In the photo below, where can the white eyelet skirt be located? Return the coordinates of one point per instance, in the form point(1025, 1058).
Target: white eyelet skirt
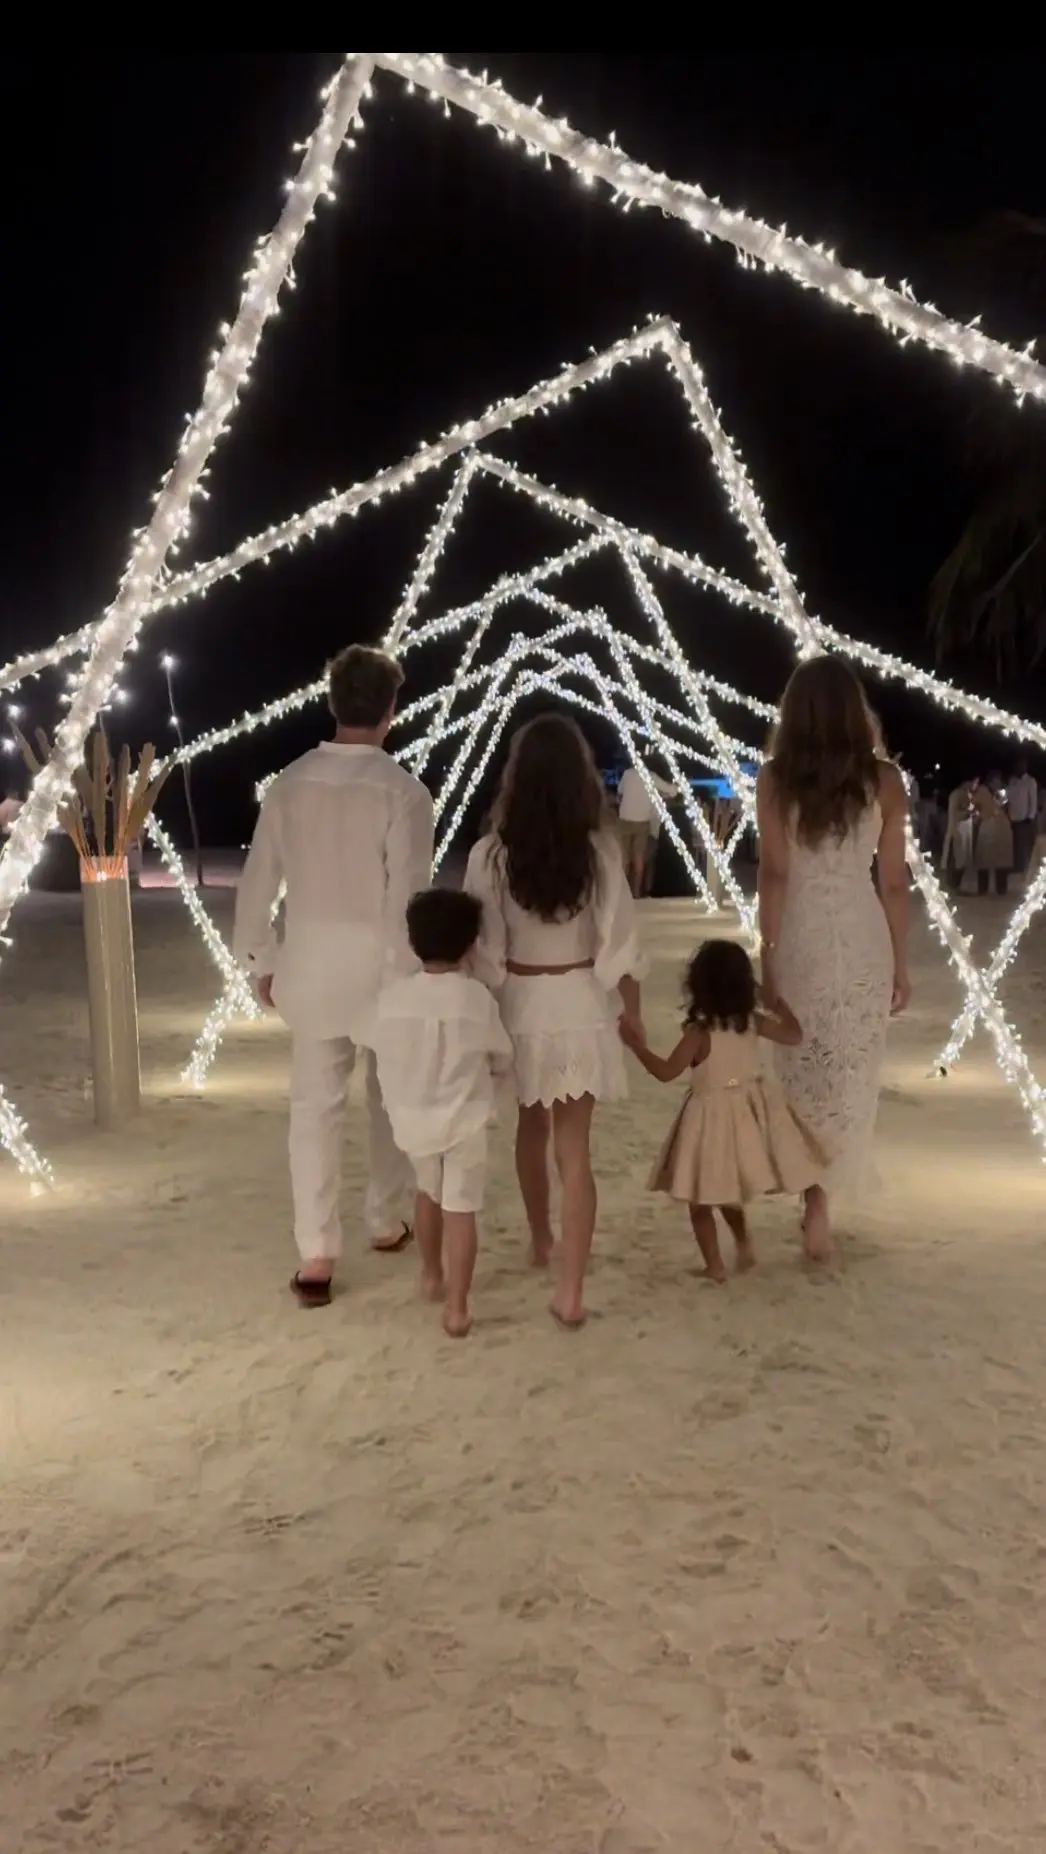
point(563, 1027)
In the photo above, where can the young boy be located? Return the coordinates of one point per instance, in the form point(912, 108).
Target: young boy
point(440, 1044)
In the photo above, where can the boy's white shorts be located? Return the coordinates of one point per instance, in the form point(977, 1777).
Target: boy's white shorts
point(456, 1179)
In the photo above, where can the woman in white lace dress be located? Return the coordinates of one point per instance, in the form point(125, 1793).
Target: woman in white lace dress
point(558, 947)
point(833, 948)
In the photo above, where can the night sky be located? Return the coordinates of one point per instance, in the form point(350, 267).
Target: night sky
point(453, 270)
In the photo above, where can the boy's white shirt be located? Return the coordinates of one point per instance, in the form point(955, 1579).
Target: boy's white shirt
point(348, 833)
point(440, 1047)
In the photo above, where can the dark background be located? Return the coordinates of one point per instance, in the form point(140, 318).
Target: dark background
point(452, 271)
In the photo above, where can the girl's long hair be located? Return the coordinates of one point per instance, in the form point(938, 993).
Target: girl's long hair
point(550, 802)
point(824, 751)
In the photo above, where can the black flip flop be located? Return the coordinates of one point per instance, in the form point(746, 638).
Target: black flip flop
point(311, 1293)
point(397, 1247)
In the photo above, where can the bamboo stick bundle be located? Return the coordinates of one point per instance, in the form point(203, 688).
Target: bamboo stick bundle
point(106, 811)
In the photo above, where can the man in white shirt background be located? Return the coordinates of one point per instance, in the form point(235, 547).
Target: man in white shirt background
point(1022, 805)
point(345, 834)
point(636, 814)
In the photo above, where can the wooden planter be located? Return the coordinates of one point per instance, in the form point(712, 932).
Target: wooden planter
point(111, 996)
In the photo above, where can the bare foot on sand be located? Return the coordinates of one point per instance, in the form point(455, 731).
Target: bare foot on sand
point(457, 1322)
point(433, 1287)
point(715, 1272)
point(568, 1312)
point(817, 1240)
point(736, 1223)
point(539, 1255)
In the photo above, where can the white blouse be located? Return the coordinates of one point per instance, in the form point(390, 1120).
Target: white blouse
point(604, 931)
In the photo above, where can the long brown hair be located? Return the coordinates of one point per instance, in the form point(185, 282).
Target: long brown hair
point(823, 752)
point(549, 803)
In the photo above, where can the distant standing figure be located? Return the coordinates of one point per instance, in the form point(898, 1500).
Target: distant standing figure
point(833, 945)
point(993, 843)
point(636, 812)
point(957, 849)
point(1022, 805)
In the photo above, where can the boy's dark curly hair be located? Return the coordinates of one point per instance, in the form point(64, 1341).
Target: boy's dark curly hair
point(719, 990)
point(443, 925)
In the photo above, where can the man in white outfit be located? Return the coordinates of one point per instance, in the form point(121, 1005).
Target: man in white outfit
point(345, 834)
point(1022, 805)
point(636, 812)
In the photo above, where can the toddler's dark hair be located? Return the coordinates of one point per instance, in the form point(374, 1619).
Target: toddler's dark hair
point(443, 925)
point(719, 989)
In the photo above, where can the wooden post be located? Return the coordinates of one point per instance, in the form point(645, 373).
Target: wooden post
point(111, 994)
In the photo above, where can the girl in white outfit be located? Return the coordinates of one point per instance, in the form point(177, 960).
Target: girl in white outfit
point(558, 945)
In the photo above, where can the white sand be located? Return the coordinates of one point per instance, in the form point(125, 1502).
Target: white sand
point(753, 1570)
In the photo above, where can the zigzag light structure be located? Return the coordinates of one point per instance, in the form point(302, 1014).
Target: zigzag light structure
point(511, 679)
point(144, 591)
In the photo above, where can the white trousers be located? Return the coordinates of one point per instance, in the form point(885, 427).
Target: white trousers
point(320, 1071)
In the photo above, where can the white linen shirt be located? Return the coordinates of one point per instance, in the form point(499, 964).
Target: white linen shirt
point(346, 833)
point(1022, 799)
point(439, 1044)
point(604, 930)
point(634, 803)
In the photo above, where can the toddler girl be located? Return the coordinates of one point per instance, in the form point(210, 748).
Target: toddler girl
point(735, 1136)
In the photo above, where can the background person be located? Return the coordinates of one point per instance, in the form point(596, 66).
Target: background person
point(636, 812)
point(1022, 807)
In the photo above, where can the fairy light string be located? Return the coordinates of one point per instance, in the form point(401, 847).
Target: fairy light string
point(631, 183)
point(435, 541)
point(993, 973)
point(1009, 1054)
point(226, 379)
point(14, 1137)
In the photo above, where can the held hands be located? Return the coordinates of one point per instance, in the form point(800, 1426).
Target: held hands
point(631, 1032)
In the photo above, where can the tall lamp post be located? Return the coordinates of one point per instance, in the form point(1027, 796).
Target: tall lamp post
point(167, 664)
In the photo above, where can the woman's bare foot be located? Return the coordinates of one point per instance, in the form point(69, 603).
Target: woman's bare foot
point(567, 1311)
point(539, 1254)
point(745, 1255)
point(715, 1271)
point(457, 1322)
point(817, 1239)
point(433, 1287)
